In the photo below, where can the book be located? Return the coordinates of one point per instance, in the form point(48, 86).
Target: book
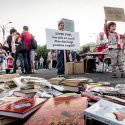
point(43, 94)
point(24, 93)
point(105, 112)
point(54, 92)
point(21, 108)
point(32, 80)
point(66, 88)
point(56, 80)
point(10, 83)
point(19, 82)
point(7, 90)
point(115, 99)
point(60, 111)
point(6, 100)
point(8, 76)
point(7, 120)
point(70, 95)
point(91, 96)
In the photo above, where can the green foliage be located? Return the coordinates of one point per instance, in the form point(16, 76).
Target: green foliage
point(85, 49)
point(42, 51)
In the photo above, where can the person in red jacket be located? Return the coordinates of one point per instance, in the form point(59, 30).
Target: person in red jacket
point(115, 47)
point(25, 36)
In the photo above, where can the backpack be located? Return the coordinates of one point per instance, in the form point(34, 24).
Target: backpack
point(33, 44)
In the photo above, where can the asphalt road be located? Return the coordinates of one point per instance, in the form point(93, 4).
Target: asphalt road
point(47, 74)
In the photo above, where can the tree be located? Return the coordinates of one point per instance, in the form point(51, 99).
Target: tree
point(42, 51)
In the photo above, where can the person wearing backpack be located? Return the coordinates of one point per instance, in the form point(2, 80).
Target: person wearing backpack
point(26, 37)
point(10, 42)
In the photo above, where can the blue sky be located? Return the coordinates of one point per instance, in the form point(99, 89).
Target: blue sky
point(88, 16)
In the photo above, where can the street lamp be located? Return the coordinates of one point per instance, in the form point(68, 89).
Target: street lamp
point(3, 27)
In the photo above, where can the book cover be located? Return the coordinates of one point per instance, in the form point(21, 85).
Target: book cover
point(8, 76)
point(56, 80)
point(91, 96)
point(54, 92)
point(7, 100)
point(60, 111)
point(7, 120)
point(66, 88)
point(23, 94)
point(21, 108)
point(70, 95)
point(75, 81)
point(106, 112)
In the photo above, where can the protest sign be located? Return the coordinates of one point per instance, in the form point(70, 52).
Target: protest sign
point(114, 14)
point(62, 40)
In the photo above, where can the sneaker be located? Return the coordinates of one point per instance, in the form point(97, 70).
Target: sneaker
point(114, 75)
point(122, 75)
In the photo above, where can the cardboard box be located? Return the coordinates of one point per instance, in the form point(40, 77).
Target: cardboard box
point(69, 68)
point(78, 67)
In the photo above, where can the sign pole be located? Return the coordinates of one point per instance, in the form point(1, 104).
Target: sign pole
point(65, 66)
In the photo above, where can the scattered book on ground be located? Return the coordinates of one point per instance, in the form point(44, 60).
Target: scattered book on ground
point(8, 76)
point(70, 95)
point(60, 111)
point(6, 120)
point(105, 112)
point(91, 96)
point(22, 84)
point(75, 81)
point(43, 95)
point(24, 93)
point(21, 108)
point(66, 88)
point(56, 80)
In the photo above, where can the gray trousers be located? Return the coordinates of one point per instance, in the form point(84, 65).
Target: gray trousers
point(117, 60)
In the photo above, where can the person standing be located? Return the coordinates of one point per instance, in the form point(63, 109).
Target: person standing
point(17, 55)
point(100, 44)
point(60, 54)
point(11, 42)
point(54, 59)
point(26, 37)
point(49, 59)
point(115, 47)
point(41, 62)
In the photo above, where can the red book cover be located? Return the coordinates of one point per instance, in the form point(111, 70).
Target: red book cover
point(60, 111)
point(21, 108)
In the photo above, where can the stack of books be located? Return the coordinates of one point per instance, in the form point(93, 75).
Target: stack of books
point(57, 80)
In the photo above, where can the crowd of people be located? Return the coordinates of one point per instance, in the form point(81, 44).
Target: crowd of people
point(12, 46)
point(28, 59)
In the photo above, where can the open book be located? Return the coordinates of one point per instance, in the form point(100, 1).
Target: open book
point(107, 112)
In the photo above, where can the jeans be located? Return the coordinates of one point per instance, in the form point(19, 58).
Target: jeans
point(60, 62)
point(26, 58)
point(19, 56)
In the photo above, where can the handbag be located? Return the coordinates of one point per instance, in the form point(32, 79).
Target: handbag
point(22, 46)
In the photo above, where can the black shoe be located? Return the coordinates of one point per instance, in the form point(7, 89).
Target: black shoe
point(26, 73)
point(114, 75)
point(13, 72)
point(23, 72)
point(122, 75)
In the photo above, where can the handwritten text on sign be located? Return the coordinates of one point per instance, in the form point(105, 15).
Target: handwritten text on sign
point(114, 14)
point(63, 40)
